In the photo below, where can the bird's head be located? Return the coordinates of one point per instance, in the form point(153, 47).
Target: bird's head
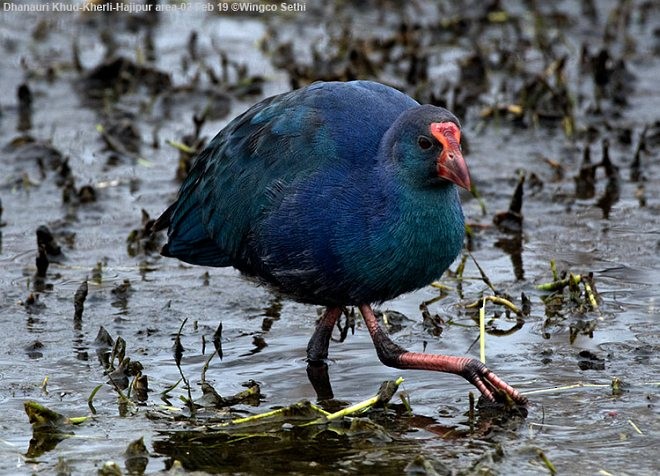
point(425, 142)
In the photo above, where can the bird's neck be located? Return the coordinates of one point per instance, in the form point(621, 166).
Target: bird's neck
point(431, 213)
point(429, 220)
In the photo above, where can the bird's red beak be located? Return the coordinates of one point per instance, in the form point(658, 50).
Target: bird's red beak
point(450, 164)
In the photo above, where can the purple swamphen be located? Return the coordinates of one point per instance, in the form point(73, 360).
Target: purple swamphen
point(337, 194)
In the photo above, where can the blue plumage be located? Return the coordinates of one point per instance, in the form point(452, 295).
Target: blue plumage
point(303, 192)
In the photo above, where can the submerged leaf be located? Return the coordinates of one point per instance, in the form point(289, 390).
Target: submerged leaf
point(136, 448)
point(42, 417)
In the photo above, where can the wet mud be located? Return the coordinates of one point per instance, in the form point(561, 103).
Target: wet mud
point(118, 361)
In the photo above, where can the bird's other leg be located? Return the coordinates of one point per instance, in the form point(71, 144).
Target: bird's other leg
point(317, 348)
point(317, 373)
point(472, 370)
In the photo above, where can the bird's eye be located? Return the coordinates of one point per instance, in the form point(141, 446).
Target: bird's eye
point(424, 143)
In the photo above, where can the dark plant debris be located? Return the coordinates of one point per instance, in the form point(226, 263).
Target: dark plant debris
point(511, 221)
point(48, 428)
point(79, 300)
point(141, 241)
point(136, 457)
point(117, 76)
point(574, 297)
point(217, 340)
point(250, 396)
point(46, 240)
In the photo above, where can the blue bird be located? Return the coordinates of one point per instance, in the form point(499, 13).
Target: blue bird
point(337, 194)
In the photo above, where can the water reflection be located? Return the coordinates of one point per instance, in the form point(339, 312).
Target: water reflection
point(385, 441)
point(513, 247)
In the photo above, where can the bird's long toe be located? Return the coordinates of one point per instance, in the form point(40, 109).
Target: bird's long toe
point(489, 384)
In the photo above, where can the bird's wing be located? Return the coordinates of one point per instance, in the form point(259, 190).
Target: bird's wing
point(261, 156)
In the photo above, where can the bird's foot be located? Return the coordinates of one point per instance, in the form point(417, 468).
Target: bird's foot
point(490, 385)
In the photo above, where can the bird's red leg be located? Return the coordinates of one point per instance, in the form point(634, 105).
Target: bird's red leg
point(472, 370)
point(317, 348)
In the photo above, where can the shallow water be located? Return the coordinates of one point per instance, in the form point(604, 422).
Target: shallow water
point(581, 430)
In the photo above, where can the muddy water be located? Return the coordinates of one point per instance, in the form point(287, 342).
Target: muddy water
point(564, 358)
